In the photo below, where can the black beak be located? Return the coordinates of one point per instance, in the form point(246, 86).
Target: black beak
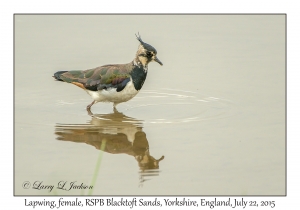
point(158, 61)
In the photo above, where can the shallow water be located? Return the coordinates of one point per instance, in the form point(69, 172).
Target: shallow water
point(211, 121)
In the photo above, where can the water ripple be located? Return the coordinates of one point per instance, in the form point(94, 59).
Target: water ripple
point(179, 106)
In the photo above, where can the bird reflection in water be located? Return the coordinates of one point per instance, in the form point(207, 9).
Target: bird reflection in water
point(119, 134)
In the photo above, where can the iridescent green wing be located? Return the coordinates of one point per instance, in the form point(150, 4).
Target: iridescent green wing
point(103, 77)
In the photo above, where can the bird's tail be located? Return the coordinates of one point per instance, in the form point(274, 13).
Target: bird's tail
point(57, 75)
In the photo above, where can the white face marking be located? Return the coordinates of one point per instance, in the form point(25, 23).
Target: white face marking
point(143, 60)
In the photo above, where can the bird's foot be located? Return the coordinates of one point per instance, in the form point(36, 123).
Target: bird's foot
point(90, 112)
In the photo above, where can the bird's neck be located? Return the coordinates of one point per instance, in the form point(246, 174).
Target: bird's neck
point(141, 62)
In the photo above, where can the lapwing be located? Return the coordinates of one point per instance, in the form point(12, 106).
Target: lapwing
point(114, 83)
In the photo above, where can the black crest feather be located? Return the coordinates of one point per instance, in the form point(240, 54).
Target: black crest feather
point(145, 45)
point(138, 37)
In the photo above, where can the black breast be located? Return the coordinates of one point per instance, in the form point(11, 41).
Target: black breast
point(138, 75)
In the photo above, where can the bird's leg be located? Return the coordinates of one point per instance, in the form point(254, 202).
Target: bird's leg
point(115, 109)
point(88, 108)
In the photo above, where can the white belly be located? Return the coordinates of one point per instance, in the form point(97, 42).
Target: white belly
point(111, 95)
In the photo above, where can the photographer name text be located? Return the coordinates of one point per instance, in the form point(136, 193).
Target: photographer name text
point(61, 185)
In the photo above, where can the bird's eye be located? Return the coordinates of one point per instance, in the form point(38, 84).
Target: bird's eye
point(149, 54)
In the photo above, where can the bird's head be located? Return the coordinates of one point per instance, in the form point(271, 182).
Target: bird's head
point(146, 53)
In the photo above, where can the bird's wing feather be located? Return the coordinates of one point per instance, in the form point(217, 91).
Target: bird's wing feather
point(103, 77)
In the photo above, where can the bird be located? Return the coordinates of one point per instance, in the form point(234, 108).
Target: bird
point(115, 83)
